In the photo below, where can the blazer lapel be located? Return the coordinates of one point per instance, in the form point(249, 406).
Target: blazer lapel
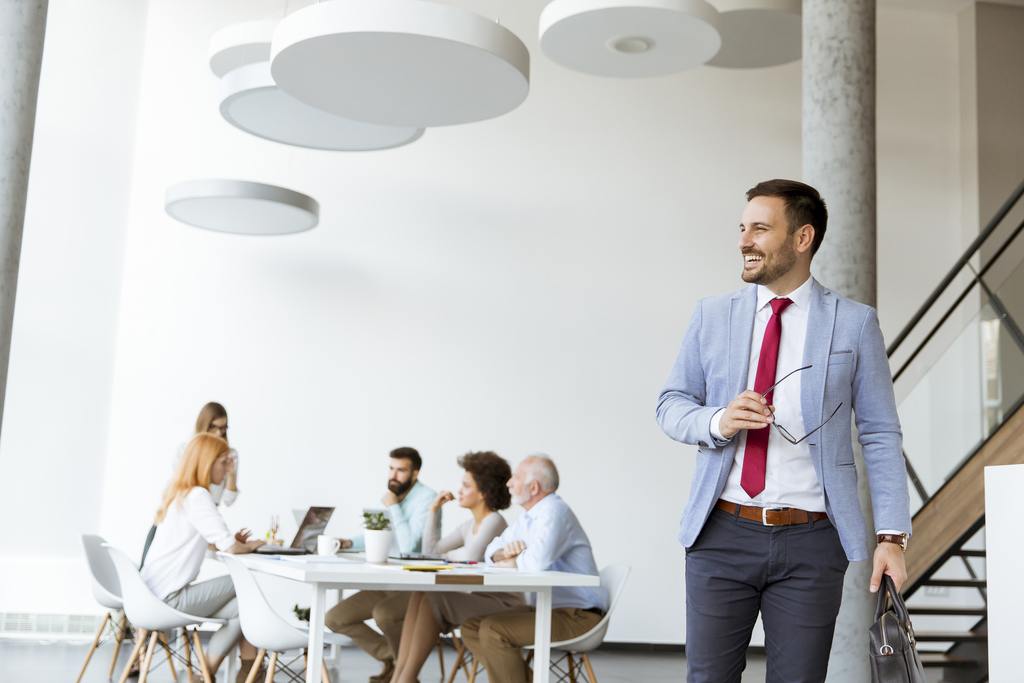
point(821, 320)
point(741, 330)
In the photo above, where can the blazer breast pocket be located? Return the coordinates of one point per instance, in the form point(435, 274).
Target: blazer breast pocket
point(840, 357)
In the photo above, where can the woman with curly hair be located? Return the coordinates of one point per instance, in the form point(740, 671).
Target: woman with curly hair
point(484, 492)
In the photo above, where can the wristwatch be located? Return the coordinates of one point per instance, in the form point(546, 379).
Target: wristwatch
point(898, 539)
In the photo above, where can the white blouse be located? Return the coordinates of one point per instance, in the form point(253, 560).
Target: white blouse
point(179, 546)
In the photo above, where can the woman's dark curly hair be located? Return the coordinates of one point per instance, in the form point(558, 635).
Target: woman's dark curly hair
point(491, 473)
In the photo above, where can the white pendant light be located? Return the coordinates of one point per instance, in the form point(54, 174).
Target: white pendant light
point(758, 33)
point(400, 62)
point(241, 207)
point(629, 38)
point(237, 45)
point(251, 101)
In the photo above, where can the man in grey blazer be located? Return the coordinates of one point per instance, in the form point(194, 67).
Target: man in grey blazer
point(765, 385)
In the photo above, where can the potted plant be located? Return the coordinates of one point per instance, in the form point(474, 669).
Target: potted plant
point(378, 536)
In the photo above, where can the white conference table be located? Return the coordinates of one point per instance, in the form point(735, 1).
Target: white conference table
point(349, 572)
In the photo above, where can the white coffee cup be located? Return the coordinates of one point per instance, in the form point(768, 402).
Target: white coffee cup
point(327, 545)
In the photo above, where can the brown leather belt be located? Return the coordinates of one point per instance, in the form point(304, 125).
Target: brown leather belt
point(770, 516)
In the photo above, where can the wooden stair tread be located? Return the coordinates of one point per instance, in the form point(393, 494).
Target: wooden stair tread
point(949, 611)
point(957, 583)
point(949, 636)
point(939, 659)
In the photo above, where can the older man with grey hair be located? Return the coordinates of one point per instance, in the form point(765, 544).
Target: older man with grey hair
point(546, 537)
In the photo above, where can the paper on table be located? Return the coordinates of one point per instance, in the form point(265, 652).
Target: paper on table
point(308, 559)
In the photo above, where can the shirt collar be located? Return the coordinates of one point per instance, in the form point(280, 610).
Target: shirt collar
point(800, 296)
point(540, 506)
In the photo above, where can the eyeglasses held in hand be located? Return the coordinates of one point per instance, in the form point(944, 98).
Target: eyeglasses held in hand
point(783, 432)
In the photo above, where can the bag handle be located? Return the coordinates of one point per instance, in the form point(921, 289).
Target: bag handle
point(888, 591)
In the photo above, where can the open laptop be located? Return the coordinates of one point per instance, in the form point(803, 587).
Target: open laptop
point(304, 543)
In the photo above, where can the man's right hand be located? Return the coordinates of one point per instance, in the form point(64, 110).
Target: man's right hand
point(509, 552)
point(749, 410)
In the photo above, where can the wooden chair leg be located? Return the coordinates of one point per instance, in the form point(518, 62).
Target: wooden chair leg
point(95, 644)
point(170, 657)
point(118, 641)
point(203, 664)
point(148, 661)
point(256, 664)
point(590, 670)
point(440, 656)
point(324, 673)
point(572, 667)
point(188, 657)
point(271, 668)
point(140, 638)
point(474, 670)
point(460, 660)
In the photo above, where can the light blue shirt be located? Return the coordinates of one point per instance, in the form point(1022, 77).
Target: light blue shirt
point(555, 541)
point(408, 519)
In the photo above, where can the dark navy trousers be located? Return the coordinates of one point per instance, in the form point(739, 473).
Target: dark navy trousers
point(792, 575)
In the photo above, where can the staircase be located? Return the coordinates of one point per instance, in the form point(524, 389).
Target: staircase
point(958, 370)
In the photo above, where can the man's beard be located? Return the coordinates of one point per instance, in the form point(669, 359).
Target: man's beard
point(781, 263)
point(519, 500)
point(398, 488)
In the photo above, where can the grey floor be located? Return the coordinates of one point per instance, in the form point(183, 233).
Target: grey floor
point(25, 661)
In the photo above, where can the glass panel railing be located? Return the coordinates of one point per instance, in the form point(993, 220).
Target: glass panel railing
point(961, 398)
point(959, 366)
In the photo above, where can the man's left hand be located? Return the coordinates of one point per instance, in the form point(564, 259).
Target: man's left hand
point(389, 499)
point(889, 559)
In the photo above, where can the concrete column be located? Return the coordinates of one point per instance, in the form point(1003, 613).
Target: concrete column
point(839, 160)
point(22, 28)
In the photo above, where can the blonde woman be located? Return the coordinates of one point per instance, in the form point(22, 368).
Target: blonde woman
point(483, 492)
point(186, 523)
point(212, 419)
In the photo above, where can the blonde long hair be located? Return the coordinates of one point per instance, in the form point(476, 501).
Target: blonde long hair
point(193, 470)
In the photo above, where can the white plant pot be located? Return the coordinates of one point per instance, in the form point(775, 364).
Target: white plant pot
point(378, 543)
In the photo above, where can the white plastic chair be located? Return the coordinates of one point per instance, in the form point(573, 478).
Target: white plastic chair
point(107, 591)
point(613, 580)
point(152, 615)
point(267, 630)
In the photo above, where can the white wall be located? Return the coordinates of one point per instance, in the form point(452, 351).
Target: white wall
point(1005, 558)
point(53, 446)
point(520, 284)
point(919, 194)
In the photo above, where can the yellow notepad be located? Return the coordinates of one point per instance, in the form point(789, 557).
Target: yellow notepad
point(427, 567)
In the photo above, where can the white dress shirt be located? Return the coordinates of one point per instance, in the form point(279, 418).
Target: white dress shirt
point(179, 546)
point(790, 478)
point(556, 542)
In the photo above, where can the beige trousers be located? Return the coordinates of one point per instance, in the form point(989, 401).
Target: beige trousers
point(497, 640)
point(387, 608)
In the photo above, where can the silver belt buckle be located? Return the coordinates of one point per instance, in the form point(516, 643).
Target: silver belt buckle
point(764, 515)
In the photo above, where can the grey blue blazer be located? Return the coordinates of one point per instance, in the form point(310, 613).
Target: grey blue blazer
point(844, 344)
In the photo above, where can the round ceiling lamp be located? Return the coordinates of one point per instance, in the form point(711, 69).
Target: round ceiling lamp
point(409, 63)
point(629, 38)
point(241, 207)
point(744, 25)
point(252, 102)
point(237, 45)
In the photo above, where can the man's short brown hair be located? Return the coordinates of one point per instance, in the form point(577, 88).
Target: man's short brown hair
point(804, 205)
point(410, 454)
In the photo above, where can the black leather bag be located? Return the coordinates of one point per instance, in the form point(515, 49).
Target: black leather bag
point(894, 657)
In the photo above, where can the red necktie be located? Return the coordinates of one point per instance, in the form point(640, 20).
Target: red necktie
point(755, 456)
